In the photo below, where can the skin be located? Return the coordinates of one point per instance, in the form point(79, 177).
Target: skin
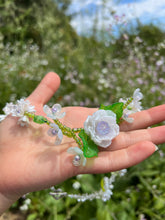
point(29, 161)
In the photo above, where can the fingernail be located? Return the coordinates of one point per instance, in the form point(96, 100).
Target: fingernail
point(156, 148)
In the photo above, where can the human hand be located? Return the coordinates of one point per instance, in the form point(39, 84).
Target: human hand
point(29, 161)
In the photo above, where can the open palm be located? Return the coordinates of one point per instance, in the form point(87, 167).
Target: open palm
point(29, 161)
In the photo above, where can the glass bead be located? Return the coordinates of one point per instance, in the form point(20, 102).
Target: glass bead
point(102, 128)
point(77, 160)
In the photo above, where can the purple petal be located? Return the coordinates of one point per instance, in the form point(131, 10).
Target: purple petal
point(59, 138)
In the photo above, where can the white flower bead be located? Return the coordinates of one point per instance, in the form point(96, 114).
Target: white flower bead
point(54, 112)
point(102, 127)
point(79, 158)
point(18, 110)
point(134, 106)
point(54, 130)
point(2, 117)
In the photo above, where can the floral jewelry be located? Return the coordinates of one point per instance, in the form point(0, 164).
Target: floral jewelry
point(99, 130)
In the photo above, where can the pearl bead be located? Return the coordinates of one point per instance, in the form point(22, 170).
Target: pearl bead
point(77, 160)
point(54, 132)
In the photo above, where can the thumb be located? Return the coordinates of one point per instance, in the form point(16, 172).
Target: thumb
point(46, 89)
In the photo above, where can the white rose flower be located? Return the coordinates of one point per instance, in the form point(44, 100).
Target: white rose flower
point(102, 127)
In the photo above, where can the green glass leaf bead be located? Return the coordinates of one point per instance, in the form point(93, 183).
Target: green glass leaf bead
point(39, 119)
point(90, 149)
point(117, 108)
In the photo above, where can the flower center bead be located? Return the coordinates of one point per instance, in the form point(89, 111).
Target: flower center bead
point(54, 132)
point(102, 128)
point(77, 160)
point(54, 110)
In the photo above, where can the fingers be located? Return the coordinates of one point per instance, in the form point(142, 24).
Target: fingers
point(145, 118)
point(125, 139)
point(74, 113)
point(117, 160)
point(46, 89)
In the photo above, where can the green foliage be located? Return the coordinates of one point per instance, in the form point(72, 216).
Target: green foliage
point(32, 20)
point(151, 34)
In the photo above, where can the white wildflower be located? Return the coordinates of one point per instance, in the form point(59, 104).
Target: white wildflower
point(76, 185)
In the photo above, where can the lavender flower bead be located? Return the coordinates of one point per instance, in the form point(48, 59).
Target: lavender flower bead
point(54, 130)
point(102, 127)
point(54, 112)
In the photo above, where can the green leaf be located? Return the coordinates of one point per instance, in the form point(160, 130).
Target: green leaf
point(117, 108)
point(39, 119)
point(90, 149)
point(32, 216)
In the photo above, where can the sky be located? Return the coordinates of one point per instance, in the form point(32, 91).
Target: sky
point(124, 13)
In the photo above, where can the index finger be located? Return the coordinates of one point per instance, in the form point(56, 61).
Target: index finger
point(46, 89)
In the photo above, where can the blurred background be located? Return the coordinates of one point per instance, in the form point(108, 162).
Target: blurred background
point(103, 50)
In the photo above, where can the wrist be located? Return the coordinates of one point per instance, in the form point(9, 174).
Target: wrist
point(6, 202)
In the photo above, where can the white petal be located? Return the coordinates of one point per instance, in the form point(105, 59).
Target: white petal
point(84, 161)
point(47, 110)
point(2, 117)
point(8, 109)
point(60, 134)
point(105, 143)
point(137, 94)
point(71, 150)
point(31, 109)
point(60, 115)
point(74, 150)
point(78, 150)
point(127, 118)
point(98, 114)
point(23, 121)
point(56, 107)
point(53, 125)
point(59, 138)
point(57, 141)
